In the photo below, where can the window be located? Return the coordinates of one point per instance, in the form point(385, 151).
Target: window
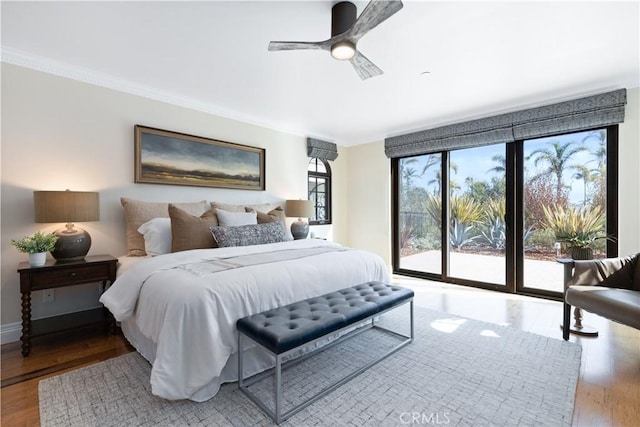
point(498, 216)
point(319, 174)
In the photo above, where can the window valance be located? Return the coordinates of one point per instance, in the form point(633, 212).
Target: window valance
point(579, 114)
point(321, 149)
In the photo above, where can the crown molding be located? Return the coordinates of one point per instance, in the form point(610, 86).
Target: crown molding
point(85, 75)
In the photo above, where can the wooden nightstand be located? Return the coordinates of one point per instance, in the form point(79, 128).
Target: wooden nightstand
point(96, 268)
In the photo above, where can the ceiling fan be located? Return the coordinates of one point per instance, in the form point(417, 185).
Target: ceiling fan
point(346, 30)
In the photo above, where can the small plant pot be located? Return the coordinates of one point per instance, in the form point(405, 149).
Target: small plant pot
point(581, 253)
point(37, 259)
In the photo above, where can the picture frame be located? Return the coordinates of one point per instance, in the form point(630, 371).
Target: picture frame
point(165, 157)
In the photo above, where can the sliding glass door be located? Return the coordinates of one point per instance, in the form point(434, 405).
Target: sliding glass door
point(564, 197)
point(419, 230)
point(477, 228)
point(499, 216)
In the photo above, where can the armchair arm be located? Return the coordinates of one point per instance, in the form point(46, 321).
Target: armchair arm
point(596, 272)
point(568, 264)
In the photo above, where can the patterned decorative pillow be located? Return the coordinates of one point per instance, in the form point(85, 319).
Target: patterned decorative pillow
point(275, 215)
point(246, 235)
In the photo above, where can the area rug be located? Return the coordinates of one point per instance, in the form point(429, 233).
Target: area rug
point(457, 371)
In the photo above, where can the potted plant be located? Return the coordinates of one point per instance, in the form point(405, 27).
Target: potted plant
point(578, 228)
point(36, 246)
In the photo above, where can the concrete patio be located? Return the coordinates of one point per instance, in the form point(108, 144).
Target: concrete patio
point(547, 275)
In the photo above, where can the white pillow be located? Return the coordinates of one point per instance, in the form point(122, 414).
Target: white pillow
point(236, 218)
point(157, 236)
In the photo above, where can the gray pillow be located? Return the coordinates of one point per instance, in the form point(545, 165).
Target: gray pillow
point(245, 235)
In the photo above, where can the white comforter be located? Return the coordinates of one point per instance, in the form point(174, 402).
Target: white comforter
point(188, 310)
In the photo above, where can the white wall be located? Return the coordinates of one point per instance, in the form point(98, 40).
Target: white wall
point(59, 133)
point(629, 176)
point(370, 176)
point(369, 204)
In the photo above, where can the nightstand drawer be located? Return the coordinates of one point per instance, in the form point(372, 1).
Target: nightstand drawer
point(76, 274)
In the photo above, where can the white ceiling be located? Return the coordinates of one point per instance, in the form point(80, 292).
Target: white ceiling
point(482, 57)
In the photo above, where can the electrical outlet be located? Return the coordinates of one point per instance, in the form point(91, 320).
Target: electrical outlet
point(48, 295)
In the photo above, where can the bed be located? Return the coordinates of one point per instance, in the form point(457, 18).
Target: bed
point(179, 309)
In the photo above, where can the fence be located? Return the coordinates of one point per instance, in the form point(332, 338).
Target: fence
point(417, 221)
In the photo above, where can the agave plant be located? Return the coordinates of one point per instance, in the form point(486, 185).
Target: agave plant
point(494, 228)
point(433, 207)
point(465, 214)
point(460, 234)
point(496, 233)
point(494, 208)
point(577, 227)
point(465, 209)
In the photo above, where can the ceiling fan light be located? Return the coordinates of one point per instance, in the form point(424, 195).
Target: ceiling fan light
point(343, 50)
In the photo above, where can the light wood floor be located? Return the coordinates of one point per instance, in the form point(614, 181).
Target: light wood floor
point(608, 391)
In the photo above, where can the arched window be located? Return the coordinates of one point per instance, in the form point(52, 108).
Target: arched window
point(319, 174)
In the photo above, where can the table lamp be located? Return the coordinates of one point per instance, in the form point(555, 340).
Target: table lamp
point(69, 207)
point(300, 209)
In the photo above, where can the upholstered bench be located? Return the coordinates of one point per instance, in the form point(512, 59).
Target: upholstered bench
point(286, 329)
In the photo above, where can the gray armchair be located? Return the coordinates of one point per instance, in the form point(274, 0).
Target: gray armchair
point(608, 287)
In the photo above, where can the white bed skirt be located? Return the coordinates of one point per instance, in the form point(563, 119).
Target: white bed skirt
point(255, 360)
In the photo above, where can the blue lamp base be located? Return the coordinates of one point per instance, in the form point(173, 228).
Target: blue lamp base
point(299, 230)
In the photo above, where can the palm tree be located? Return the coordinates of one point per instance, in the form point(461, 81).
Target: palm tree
point(437, 180)
point(407, 173)
point(599, 173)
point(502, 164)
point(600, 153)
point(557, 155)
point(585, 174)
point(431, 161)
point(601, 136)
point(407, 176)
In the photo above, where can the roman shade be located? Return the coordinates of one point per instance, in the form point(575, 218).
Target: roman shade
point(569, 116)
point(321, 149)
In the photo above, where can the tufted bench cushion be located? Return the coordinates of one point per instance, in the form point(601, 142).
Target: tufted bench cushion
point(293, 325)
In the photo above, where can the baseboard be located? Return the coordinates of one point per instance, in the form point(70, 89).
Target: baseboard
point(10, 332)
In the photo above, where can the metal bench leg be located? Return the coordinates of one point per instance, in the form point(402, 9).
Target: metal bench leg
point(411, 315)
point(566, 321)
point(240, 371)
point(278, 388)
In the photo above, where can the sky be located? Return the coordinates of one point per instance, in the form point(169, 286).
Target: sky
point(476, 163)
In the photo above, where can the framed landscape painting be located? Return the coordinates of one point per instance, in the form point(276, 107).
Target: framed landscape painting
point(164, 157)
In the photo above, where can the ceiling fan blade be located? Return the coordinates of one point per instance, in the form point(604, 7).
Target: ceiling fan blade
point(365, 68)
point(298, 45)
point(376, 12)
